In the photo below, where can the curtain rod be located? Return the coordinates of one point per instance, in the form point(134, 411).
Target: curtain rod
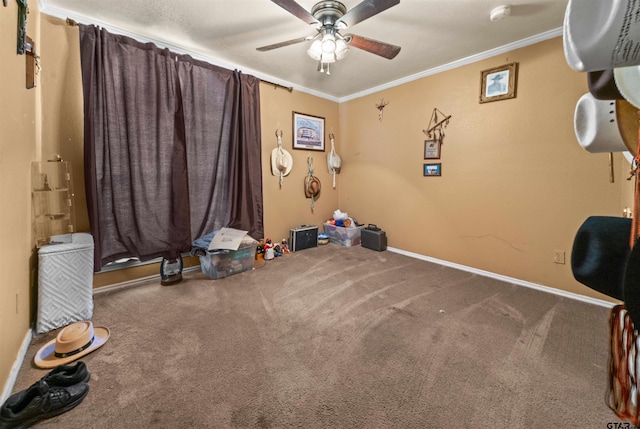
point(72, 23)
point(277, 85)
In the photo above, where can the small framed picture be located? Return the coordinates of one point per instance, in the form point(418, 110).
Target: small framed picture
point(499, 83)
point(308, 132)
point(432, 149)
point(432, 169)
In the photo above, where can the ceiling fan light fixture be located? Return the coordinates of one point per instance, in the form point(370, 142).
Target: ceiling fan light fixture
point(315, 50)
point(328, 43)
point(341, 49)
point(329, 17)
point(328, 58)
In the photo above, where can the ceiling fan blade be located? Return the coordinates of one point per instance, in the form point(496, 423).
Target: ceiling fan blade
point(282, 44)
point(383, 49)
point(364, 10)
point(296, 10)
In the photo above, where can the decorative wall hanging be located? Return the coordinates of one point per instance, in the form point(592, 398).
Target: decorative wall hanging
point(308, 132)
point(499, 83)
point(435, 130)
point(432, 169)
point(380, 106)
point(333, 160)
point(311, 184)
point(281, 160)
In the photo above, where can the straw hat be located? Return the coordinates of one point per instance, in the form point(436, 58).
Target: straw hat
point(596, 34)
point(311, 187)
point(605, 125)
point(281, 162)
point(71, 343)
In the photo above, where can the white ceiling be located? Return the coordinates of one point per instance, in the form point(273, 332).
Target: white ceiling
point(434, 35)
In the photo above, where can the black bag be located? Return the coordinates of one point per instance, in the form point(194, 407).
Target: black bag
point(374, 238)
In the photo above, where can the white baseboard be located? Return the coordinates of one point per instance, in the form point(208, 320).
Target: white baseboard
point(512, 280)
point(507, 279)
point(15, 369)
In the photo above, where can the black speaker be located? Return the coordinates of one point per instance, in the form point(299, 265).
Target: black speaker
point(303, 237)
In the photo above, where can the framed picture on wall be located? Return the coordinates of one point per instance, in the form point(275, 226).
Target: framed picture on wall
point(432, 149)
point(499, 83)
point(432, 169)
point(308, 132)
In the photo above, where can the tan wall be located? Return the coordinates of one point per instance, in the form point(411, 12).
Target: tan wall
point(19, 139)
point(287, 207)
point(62, 105)
point(515, 183)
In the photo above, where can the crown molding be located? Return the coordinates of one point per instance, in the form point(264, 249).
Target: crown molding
point(459, 63)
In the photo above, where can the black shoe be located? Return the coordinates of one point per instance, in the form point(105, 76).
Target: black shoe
point(60, 376)
point(67, 375)
point(40, 402)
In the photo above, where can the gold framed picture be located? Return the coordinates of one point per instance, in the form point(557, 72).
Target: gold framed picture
point(308, 132)
point(499, 83)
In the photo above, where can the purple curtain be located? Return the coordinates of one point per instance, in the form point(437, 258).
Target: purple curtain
point(161, 146)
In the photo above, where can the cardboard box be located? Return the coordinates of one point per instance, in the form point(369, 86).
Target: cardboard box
point(343, 236)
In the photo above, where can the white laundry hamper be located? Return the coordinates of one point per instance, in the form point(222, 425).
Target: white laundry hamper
point(65, 281)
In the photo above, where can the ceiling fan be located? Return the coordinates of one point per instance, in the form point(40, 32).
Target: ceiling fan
point(329, 17)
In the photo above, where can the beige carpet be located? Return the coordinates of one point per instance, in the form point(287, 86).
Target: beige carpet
point(335, 337)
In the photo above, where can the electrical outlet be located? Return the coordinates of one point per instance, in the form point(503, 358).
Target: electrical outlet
point(558, 256)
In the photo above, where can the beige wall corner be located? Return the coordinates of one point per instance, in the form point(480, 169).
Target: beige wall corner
point(62, 105)
point(287, 207)
point(19, 140)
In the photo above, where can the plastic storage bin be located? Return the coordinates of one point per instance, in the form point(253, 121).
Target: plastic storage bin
point(343, 236)
point(217, 264)
point(65, 281)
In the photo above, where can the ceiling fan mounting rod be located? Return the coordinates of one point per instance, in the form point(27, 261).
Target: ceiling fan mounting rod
point(328, 12)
